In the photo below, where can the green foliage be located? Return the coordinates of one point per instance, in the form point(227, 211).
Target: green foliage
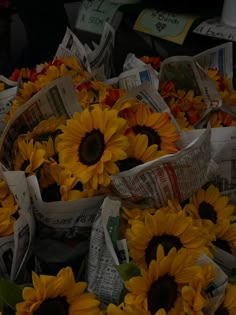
point(128, 271)
point(10, 294)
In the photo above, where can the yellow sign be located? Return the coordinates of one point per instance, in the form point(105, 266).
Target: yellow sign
point(166, 25)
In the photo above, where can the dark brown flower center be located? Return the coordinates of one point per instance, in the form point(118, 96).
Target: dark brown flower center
point(51, 193)
point(207, 211)
point(153, 137)
point(223, 244)
point(162, 294)
point(128, 163)
point(222, 310)
point(57, 306)
point(167, 241)
point(91, 147)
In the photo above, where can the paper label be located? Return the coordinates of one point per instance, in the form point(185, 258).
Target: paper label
point(169, 26)
point(94, 14)
point(215, 28)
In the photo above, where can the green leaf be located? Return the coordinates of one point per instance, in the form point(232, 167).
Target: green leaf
point(128, 271)
point(10, 293)
point(123, 293)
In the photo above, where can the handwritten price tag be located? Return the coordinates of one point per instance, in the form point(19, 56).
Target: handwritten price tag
point(95, 13)
point(169, 26)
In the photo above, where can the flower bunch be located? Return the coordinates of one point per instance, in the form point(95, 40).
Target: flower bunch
point(59, 294)
point(80, 153)
point(92, 92)
point(224, 86)
point(172, 283)
point(33, 80)
point(186, 107)
point(8, 209)
point(178, 235)
point(155, 62)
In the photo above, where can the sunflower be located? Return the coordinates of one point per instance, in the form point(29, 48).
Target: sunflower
point(125, 310)
point(194, 295)
point(228, 305)
point(132, 214)
point(28, 156)
point(6, 223)
point(169, 230)
point(158, 289)
point(139, 152)
point(156, 126)
point(58, 294)
point(27, 91)
point(209, 204)
point(47, 128)
point(91, 143)
point(225, 236)
point(7, 200)
point(221, 119)
point(55, 182)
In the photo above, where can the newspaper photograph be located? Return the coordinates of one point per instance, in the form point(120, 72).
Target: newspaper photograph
point(72, 46)
point(103, 53)
point(172, 176)
point(56, 99)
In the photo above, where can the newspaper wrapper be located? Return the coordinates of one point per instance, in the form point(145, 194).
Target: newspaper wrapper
point(6, 97)
point(63, 219)
point(56, 99)
point(216, 288)
point(102, 55)
point(224, 154)
point(220, 58)
point(16, 249)
point(186, 74)
point(131, 62)
point(72, 46)
point(102, 277)
point(63, 228)
point(134, 77)
point(172, 176)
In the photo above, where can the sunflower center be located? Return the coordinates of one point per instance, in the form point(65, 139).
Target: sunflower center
point(153, 137)
point(57, 306)
point(51, 193)
point(128, 163)
point(207, 211)
point(222, 310)
point(167, 241)
point(223, 244)
point(162, 294)
point(91, 147)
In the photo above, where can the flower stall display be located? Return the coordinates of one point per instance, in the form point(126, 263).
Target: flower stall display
point(118, 194)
